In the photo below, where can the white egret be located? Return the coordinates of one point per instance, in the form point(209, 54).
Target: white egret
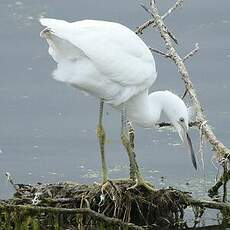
point(109, 61)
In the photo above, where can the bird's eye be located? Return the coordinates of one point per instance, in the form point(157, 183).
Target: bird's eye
point(181, 119)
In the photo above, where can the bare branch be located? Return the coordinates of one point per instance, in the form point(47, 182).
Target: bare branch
point(184, 94)
point(172, 36)
point(209, 204)
point(225, 181)
point(195, 50)
point(165, 28)
point(84, 211)
point(152, 21)
point(214, 190)
point(221, 150)
point(146, 9)
point(140, 29)
point(10, 179)
point(160, 52)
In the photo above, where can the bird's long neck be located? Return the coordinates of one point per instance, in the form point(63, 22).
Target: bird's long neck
point(144, 110)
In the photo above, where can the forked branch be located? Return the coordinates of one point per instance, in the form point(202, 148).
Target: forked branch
point(152, 23)
point(190, 54)
point(220, 149)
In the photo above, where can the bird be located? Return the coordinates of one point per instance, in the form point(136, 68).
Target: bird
point(109, 61)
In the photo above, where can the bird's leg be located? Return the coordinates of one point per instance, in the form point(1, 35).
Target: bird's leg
point(131, 133)
point(132, 174)
point(101, 137)
point(134, 169)
point(128, 146)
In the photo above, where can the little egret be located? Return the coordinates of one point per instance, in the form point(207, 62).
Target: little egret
point(109, 61)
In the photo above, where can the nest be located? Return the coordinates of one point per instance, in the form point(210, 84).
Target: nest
point(114, 201)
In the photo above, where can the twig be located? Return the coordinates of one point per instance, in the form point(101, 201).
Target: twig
point(159, 52)
point(225, 181)
point(146, 9)
point(200, 151)
point(221, 150)
point(39, 209)
point(214, 190)
point(172, 36)
point(209, 204)
point(152, 21)
point(86, 211)
point(184, 94)
point(165, 28)
point(190, 54)
point(10, 179)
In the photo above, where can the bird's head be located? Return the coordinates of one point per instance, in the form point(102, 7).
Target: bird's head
point(178, 114)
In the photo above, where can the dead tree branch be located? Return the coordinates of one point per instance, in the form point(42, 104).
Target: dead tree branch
point(112, 221)
point(11, 181)
point(159, 52)
point(210, 204)
point(214, 189)
point(190, 54)
point(86, 211)
point(141, 28)
point(221, 150)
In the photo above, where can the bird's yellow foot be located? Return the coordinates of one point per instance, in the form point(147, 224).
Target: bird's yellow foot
point(144, 184)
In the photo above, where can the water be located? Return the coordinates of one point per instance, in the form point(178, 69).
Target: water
point(47, 129)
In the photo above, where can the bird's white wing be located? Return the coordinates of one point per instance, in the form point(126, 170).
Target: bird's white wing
point(115, 50)
point(60, 49)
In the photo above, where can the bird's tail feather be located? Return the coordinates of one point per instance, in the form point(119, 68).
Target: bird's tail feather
point(52, 23)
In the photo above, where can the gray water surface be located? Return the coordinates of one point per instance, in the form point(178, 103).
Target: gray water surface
point(47, 129)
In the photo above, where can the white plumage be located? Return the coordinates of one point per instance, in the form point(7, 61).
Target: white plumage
point(103, 58)
point(111, 62)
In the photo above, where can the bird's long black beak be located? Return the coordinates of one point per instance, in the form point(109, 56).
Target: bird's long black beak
point(187, 141)
point(193, 156)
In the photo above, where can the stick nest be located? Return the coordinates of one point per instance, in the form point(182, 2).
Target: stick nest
point(164, 207)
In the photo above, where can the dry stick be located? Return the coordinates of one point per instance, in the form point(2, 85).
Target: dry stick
point(152, 21)
point(209, 204)
point(159, 52)
point(221, 150)
point(95, 215)
point(86, 211)
point(170, 34)
point(214, 189)
point(190, 54)
point(225, 167)
point(10, 179)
